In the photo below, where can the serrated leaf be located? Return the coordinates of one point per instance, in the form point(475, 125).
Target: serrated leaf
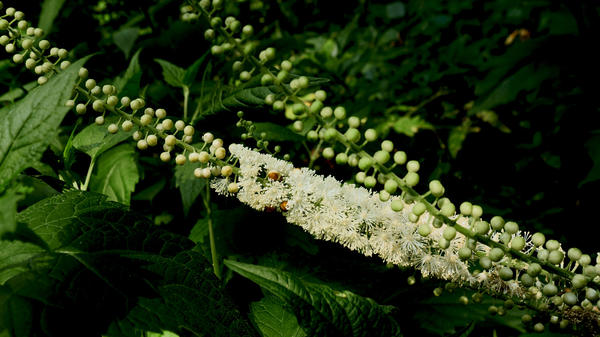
point(27, 126)
point(95, 139)
point(129, 84)
point(321, 310)
point(411, 125)
point(443, 314)
point(247, 98)
point(277, 132)
point(125, 39)
point(172, 74)
point(192, 71)
point(189, 186)
point(116, 174)
point(273, 319)
point(456, 138)
point(104, 263)
point(50, 10)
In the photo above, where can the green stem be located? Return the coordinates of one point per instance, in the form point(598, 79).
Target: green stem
point(211, 234)
point(186, 96)
point(89, 174)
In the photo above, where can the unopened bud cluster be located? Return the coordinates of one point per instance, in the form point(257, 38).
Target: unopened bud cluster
point(26, 44)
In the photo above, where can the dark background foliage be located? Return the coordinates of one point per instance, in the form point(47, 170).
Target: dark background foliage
point(497, 99)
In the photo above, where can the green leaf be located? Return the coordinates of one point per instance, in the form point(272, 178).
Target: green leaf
point(321, 310)
point(593, 148)
point(8, 210)
point(116, 174)
point(457, 137)
point(172, 74)
point(189, 186)
point(125, 39)
point(277, 132)
point(95, 139)
point(192, 71)
point(16, 314)
point(129, 84)
point(27, 126)
point(273, 320)
point(12, 95)
point(441, 315)
point(50, 10)
point(247, 98)
point(411, 125)
point(102, 264)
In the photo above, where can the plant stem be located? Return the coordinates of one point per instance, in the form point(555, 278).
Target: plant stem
point(89, 174)
point(211, 234)
point(186, 96)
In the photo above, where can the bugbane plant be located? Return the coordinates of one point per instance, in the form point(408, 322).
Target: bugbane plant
point(387, 208)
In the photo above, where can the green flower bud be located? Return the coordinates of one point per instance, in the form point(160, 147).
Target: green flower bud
point(400, 157)
point(339, 112)
point(411, 179)
point(466, 208)
point(448, 209)
point(496, 254)
point(449, 233)
point(506, 273)
point(517, 243)
point(424, 229)
point(556, 257)
point(370, 182)
point(365, 163)
point(511, 227)
point(464, 253)
point(534, 269)
point(436, 188)
point(397, 205)
point(391, 186)
point(328, 153)
point(381, 157)
point(353, 135)
point(341, 158)
point(497, 223)
point(419, 209)
point(481, 227)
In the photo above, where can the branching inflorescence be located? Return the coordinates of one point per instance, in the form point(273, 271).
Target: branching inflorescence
point(425, 231)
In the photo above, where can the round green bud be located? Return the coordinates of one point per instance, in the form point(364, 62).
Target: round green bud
point(592, 294)
point(424, 229)
point(496, 254)
point(542, 254)
point(387, 146)
point(278, 105)
point(436, 188)
point(397, 205)
point(216, 50)
point(419, 209)
point(127, 126)
point(384, 195)
point(245, 76)
point(339, 112)
point(411, 179)
point(448, 209)
point(538, 239)
point(266, 79)
point(341, 158)
point(316, 107)
point(413, 166)
point(506, 273)
point(370, 135)
point(298, 126)
point(585, 259)
point(449, 233)
point(282, 76)
point(391, 186)
point(578, 281)
point(113, 128)
point(312, 135)
point(360, 177)
point(302, 82)
point(552, 245)
point(505, 238)
point(526, 318)
point(511, 227)
point(247, 31)
point(527, 280)
point(481, 227)
point(381, 157)
point(443, 243)
point(574, 254)
point(517, 243)
point(569, 298)
point(590, 271)
point(464, 253)
point(328, 153)
point(400, 157)
point(534, 269)
point(98, 105)
point(370, 182)
point(237, 66)
point(476, 211)
point(320, 95)
point(485, 262)
point(538, 327)
point(549, 290)
point(353, 122)
point(466, 208)
point(556, 256)
point(286, 65)
point(353, 135)
point(497, 223)
point(216, 21)
point(330, 134)
point(365, 163)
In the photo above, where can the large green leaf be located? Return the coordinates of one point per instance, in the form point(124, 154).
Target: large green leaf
point(189, 186)
point(172, 74)
point(116, 173)
point(50, 10)
point(27, 127)
point(253, 97)
point(129, 83)
point(95, 139)
point(274, 320)
point(321, 310)
point(103, 263)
